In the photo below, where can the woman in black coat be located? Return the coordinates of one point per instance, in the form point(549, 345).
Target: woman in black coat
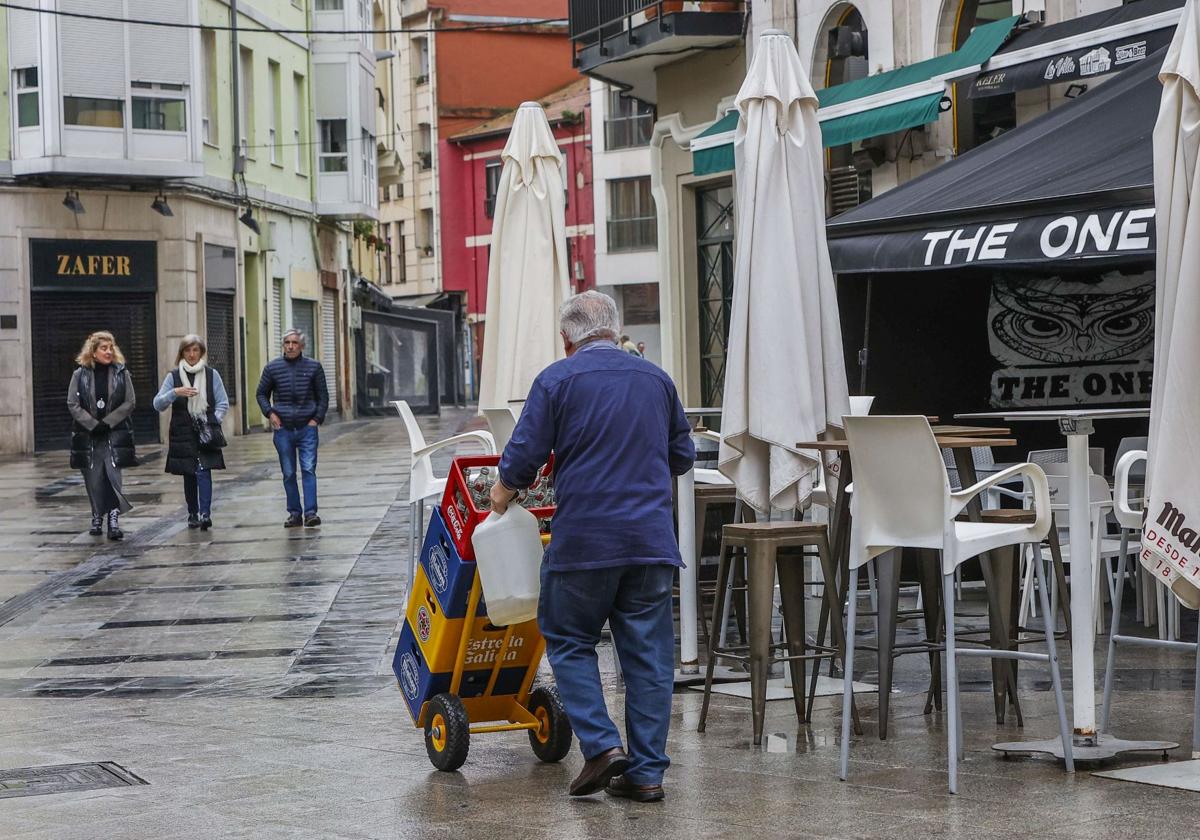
point(196, 397)
point(101, 401)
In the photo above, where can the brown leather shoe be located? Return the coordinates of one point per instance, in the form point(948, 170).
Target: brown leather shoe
point(597, 771)
point(621, 787)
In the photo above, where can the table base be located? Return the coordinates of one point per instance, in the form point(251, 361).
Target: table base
point(1098, 748)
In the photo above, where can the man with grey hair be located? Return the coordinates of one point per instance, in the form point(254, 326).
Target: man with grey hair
point(293, 396)
point(618, 433)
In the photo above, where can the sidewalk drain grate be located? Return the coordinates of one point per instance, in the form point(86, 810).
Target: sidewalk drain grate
point(64, 778)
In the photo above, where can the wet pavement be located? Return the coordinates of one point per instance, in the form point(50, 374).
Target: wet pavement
point(237, 683)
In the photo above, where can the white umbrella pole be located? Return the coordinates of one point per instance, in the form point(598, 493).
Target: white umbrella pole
point(1083, 624)
point(689, 658)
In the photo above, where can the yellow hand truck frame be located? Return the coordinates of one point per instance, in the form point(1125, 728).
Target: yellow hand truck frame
point(447, 717)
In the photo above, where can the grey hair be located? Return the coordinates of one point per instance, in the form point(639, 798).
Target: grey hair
point(589, 314)
point(298, 333)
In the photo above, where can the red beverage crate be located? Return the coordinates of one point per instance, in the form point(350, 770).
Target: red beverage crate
point(462, 526)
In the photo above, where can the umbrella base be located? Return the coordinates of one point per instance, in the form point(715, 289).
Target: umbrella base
point(1096, 748)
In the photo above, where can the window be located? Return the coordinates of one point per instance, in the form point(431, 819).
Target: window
point(246, 100)
point(300, 130)
point(401, 251)
point(629, 122)
point(368, 167)
point(93, 113)
point(632, 225)
point(208, 43)
point(424, 146)
point(421, 60)
point(333, 145)
point(491, 177)
point(274, 112)
point(329, 5)
point(154, 114)
point(28, 106)
point(426, 244)
point(364, 21)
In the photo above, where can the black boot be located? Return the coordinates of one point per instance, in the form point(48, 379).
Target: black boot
point(114, 529)
point(97, 526)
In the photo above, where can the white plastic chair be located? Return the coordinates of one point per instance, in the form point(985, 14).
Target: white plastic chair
point(902, 499)
point(1132, 464)
point(1045, 457)
point(1103, 548)
point(501, 421)
point(422, 483)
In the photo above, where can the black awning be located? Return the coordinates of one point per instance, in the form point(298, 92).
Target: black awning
point(1080, 49)
point(1073, 184)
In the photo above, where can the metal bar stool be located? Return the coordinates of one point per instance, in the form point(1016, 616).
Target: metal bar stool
point(762, 542)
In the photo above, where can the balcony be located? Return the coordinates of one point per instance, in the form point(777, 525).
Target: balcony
point(623, 41)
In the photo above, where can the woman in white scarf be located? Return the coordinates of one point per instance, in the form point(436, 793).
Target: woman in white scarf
point(196, 396)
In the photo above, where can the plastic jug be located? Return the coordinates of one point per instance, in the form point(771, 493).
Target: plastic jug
point(508, 555)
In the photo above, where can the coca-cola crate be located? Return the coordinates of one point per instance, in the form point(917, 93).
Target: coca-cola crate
point(458, 508)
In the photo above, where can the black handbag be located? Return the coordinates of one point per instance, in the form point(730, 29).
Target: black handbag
point(209, 434)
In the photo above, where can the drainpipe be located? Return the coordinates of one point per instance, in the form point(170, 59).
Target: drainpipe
point(239, 160)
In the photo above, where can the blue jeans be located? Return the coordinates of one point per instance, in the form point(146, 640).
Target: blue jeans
point(197, 491)
point(303, 442)
point(635, 600)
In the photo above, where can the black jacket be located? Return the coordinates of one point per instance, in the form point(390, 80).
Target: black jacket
point(298, 388)
point(81, 401)
point(183, 450)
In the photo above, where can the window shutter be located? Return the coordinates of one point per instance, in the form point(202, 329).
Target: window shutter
point(96, 49)
point(158, 53)
point(23, 38)
point(366, 99)
point(329, 92)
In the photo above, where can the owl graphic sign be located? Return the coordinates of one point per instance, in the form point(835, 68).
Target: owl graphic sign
point(1063, 342)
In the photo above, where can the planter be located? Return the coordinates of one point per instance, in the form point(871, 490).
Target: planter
point(668, 7)
point(718, 6)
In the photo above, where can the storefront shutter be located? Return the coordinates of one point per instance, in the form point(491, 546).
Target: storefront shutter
point(329, 344)
point(304, 319)
point(276, 325)
point(220, 320)
point(59, 323)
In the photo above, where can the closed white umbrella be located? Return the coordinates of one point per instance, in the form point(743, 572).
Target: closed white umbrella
point(785, 378)
point(1171, 537)
point(527, 270)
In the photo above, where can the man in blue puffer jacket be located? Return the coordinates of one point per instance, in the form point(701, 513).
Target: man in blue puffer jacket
point(301, 399)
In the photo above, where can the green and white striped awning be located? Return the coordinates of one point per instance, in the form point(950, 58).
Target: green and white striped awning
point(879, 104)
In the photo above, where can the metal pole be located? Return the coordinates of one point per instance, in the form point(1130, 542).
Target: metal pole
point(1083, 624)
point(689, 657)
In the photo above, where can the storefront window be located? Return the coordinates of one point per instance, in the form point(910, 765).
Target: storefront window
point(159, 114)
point(93, 113)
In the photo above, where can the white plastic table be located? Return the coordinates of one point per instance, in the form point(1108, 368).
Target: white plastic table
point(1077, 425)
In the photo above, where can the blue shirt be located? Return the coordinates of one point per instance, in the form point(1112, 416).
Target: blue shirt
point(619, 434)
point(166, 394)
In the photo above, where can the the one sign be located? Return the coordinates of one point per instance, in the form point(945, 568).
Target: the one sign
point(1062, 342)
point(1074, 66)
point(93, 265)
point(1113, 235)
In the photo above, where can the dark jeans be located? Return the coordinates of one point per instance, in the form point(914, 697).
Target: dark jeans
point(635, 600)
point(302, 442)
point(197, 491)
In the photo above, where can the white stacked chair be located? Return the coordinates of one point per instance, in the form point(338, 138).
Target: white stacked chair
point(422, 483)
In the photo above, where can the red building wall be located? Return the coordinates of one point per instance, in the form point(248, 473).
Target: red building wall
point(466, 229)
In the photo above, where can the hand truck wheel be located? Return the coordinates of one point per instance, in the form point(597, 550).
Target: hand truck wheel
point(552, 741)
point(447, 732)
